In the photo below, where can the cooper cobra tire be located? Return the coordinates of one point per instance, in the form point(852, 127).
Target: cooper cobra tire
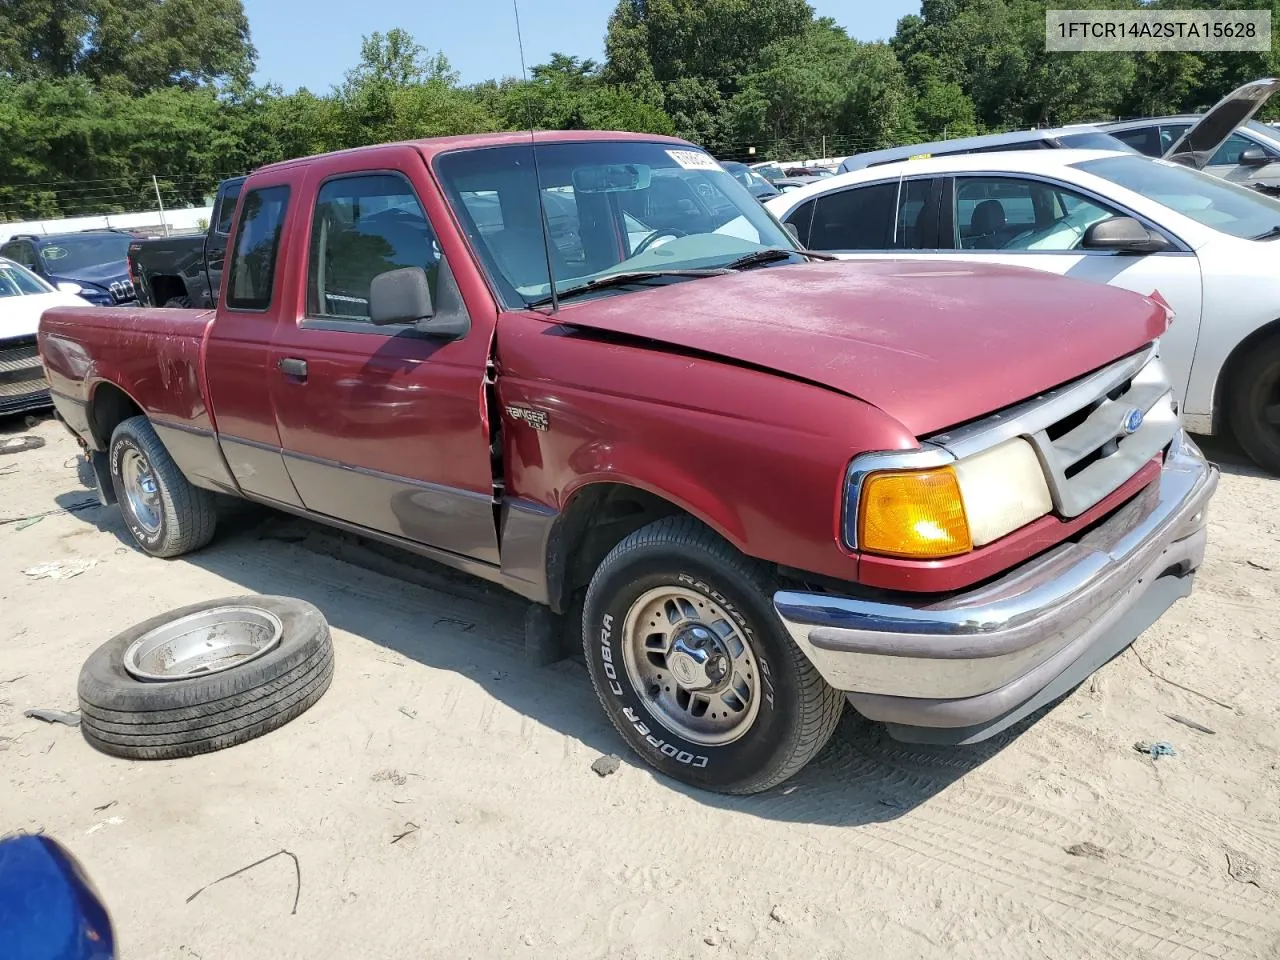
point(172, 517)
point(770, 712)
point(1255, 390)
point(124, 716)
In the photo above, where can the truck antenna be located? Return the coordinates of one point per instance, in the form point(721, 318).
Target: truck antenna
point(537, 176)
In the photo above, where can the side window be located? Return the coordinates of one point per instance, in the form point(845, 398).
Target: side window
point(364, 226)
point(22, 253)
point(802, 218)
point(911, 231)
point(253, 268)
point(1229, 152)
point(1016, 214)
point(1171, 133)
point(861, 218)
point(227, 209)
point(1144, 139)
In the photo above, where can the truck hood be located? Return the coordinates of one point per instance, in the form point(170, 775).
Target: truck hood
point(98, 274)
point(931, 344)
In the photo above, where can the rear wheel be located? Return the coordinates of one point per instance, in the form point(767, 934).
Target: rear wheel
point(166, 515)
point(693, 666)
point(182, 302)
point(1254, 405)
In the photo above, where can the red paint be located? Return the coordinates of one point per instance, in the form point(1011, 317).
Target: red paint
point(777, 379)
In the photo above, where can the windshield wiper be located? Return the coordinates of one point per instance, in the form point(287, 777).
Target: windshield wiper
point(1271, 234)
point(625, 279)
point(772, 255)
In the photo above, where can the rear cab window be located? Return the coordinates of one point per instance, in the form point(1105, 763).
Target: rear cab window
point(251, 284)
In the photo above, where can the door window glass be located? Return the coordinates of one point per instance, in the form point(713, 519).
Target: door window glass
point(1145, 140)
point(1229, 153)
point(363, 227)
point(227, 209)
point(253, 268)
point(858, 219)
point(1006, 213)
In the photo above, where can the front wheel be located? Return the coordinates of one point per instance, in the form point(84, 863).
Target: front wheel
point(694, 668)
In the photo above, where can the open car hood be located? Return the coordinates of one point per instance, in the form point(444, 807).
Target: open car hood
point(932, 344)
point(1198, 145)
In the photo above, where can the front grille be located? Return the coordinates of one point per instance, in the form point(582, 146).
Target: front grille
point(21, 373)
point(122, 291)
point(1091, 435)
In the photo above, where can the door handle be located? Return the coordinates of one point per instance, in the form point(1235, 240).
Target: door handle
point(293, 367)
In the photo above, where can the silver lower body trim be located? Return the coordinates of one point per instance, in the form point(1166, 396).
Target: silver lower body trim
point(974, 655)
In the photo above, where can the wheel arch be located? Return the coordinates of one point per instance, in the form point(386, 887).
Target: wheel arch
point(1219, 413)
point(109, 406)
point(597, 516)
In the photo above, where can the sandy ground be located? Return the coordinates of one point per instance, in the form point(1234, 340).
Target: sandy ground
point(435, 730)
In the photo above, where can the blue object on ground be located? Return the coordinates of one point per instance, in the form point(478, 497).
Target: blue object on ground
point(48, 908)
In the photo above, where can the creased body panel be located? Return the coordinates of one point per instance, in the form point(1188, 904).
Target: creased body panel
point(152, 355)
point(931, 344)
point(759, 458)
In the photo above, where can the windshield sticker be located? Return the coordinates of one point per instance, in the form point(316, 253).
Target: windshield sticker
point(694, 160)
point(52, 253)
point(920, 156)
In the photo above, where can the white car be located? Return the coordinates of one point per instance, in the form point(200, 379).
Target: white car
point(23, 297)
point(1207, 248)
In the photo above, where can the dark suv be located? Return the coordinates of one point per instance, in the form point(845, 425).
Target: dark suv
point(95, 261)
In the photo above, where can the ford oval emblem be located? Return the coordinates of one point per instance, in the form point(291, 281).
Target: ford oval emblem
point(1133, 421)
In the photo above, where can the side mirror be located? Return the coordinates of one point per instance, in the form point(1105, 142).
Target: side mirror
point(404, 296)
point(66, 286)
point(1123, 235)
point(1254, 157)
point(793, 230)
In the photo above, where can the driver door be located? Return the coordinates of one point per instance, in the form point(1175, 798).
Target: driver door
point(1026, 221)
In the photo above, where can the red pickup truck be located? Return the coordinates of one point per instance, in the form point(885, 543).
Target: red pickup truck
point(597, 372)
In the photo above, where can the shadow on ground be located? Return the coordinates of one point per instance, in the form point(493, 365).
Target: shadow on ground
point(1225, 451)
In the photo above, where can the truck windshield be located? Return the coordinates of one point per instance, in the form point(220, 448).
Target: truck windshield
point(65, 254)
point(621, 206)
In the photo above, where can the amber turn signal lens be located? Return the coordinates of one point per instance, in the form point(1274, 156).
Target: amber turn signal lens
point(917, 514)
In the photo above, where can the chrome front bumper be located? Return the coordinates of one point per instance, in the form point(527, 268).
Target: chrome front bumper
point(978, 661)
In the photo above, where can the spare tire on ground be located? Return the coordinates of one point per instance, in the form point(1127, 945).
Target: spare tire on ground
point(21, 443)
point(205, 677)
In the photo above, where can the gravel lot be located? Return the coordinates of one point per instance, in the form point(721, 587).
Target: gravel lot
point(440, 802)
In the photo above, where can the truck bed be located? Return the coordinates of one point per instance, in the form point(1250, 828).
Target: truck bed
point(151, 355)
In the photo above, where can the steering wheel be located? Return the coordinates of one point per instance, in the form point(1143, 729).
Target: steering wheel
point(647, 242)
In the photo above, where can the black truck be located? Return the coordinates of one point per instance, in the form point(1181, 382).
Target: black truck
point(186, 271)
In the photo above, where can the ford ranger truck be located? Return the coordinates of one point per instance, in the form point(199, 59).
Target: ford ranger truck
point(758, 485)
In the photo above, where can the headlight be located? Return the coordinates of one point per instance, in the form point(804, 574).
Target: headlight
point(947, 509)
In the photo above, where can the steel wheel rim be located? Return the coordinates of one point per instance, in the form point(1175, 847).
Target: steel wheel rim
point(204, 643)
point(141, 490)
point(660, 625)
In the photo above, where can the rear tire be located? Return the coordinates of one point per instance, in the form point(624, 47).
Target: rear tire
point(752, 713)
point(1254, 405)
point(166, 515)
point(180, 302)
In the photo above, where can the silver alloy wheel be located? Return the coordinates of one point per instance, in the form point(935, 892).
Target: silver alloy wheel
point(142, 491)
point(207, 642)
point(691, 665)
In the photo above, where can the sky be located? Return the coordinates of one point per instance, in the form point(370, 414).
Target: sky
point(313, 43)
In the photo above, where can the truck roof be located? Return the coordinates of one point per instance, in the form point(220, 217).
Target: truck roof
point(433, 146)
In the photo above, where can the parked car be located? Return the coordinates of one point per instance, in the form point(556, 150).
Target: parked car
point(92, 260)
point(762, 486)
point(185, 271)
point(1079, 136)
point(1205, 246)
point(1235, 147)
point(788, 184)
point(758, 186)
point(23, 297)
